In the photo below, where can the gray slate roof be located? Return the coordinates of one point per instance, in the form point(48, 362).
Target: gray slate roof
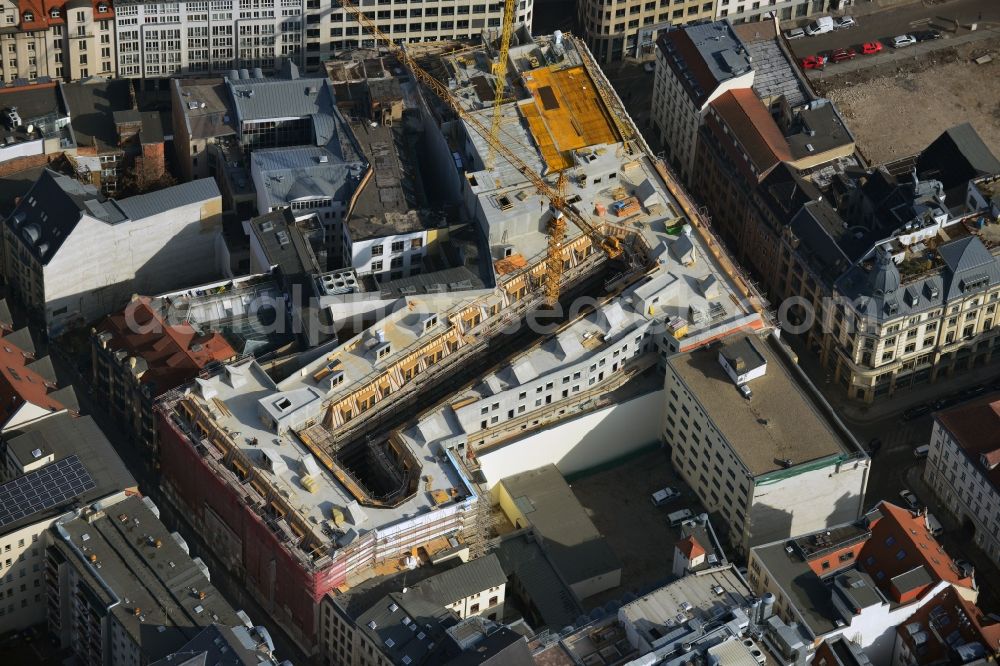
point(260, 99)
point(878, 293)
point(289, 174)
point(51, 209)
point(154, 203)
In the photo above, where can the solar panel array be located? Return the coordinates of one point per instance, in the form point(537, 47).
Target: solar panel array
point(43, 489)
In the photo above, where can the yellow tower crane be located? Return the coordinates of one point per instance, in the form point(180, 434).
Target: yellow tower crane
point(561, 208)
point(500, 72)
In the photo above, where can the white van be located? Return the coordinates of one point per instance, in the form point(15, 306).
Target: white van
point(934, 526)
point(678, 517)
point(921, 451)
point(821, 25)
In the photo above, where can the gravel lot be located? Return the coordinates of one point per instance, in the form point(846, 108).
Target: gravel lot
point(897, 109)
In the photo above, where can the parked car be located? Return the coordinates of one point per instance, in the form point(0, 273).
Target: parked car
point(921, 451)
point(650, 67)
point(901, 41)
point(909, 499)
point(965, 568)
point(821, 25)
point(664, 495)
point(840, 55)
point(871, 48)
point(934, 525)
point(814, 62)
point(678, 517)
point(916, 412)
point(927, 35)
point(844, 22)
point(795, 33)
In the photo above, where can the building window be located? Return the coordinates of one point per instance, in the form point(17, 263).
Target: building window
point(474, 608)
point(376, 250)
point(397, 246)
point(376, 266)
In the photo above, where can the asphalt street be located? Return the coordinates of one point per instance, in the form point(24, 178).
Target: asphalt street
point(885, 25)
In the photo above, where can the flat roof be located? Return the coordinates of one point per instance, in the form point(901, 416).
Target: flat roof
point(565, 113)
point(75, 443)
point(568, 535)
point(206, 107)
point(93, 103)
point(690, 596)
point(384, 205)
point(783, 421)
point(34, 102)
point(256, 391)
point(819, 126)
point(150, 573)
point(704, 55)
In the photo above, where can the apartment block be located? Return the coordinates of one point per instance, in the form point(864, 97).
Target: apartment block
point(752, 11)
point(122, 589)
point(628, 30)
point(138, 355)
point(28, 389)
point(947, 629)
point(48, 38)
point(72, 256)
point(163, 39)
point(371, 625)
point(50, 466)
point(44, 109)
point(694, 65)
point(876, 270)
point(962, 468)
point(859, 580)
point(757, 442)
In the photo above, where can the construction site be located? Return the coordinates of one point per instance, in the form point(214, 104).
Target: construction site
point(370, 458)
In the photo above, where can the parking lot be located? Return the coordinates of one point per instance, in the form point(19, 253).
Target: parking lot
point(618, 501)
point(897, 108)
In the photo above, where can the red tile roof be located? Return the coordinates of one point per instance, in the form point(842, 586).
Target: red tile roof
point(900, 543)
point(41, 13)
point(174, 354)
point(975, 427)
point(754, 128)
point(20, 384)
point(690, 548)
point(939, 619)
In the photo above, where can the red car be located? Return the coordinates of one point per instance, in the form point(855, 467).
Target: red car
point(840, 55)
point(814, 62)
point(870, 48)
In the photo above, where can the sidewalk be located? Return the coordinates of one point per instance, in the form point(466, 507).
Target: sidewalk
point(956, 543)
point(855, 413)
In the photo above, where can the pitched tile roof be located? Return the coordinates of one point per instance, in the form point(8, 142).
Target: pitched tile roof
point(949, 629)
point(754, 128)
point(904, 557)
point(690, 548)
point(975, 427)
point(173, 353)
point(21, 384)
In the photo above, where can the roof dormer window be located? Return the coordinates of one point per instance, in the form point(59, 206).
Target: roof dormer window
point(54, 12)
point(101, 8)
point(28, 17)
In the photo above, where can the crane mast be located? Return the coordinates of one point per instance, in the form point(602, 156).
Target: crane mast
point(500, 72)
point(561, 209)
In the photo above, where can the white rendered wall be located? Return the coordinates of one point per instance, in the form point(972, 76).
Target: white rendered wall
point(582, 443)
